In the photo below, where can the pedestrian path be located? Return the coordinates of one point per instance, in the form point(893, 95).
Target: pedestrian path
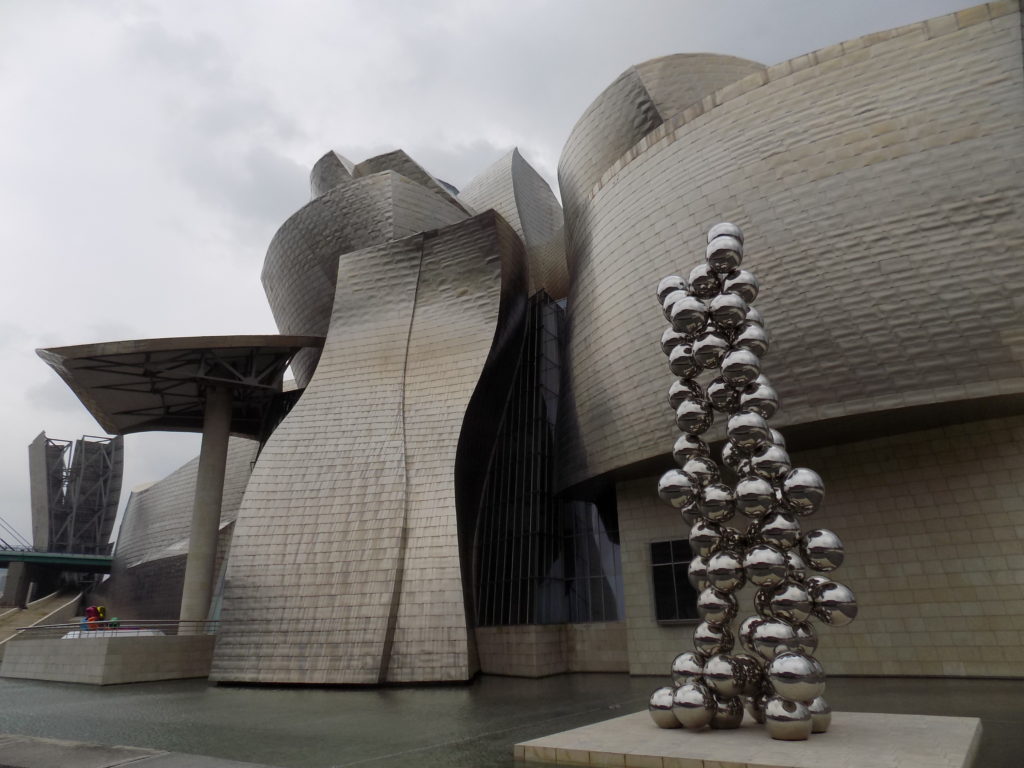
point(28, 752)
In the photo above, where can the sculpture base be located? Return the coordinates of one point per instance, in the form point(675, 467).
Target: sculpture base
point(854, 739)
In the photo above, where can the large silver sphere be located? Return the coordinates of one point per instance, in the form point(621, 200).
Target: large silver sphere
point(723, 675)
point(751, 668)
point(687, 667)
point(682, 389)
point(704, 283)
point(743, 284)
point(740, 367)
point(710, 347)
point(765, 565)
point(710, 639)
point(717, 502)
point(677, 488)
point(727, 310)
point(753, 338)
point(688, 315)
point(687, 446)
point(834, 603)
point(716, 607)
point(774, 434)
point(669, 301)
point(822, 550)
point(780, 529)
point(761, 399)
point(745, 632)
point(682, 362)
point(669, 284)
point(728, 713)
point(693, 705)
point(702, 469)
point(771, 463)
point(772, 636)
point(790, 602)
point(796, 676)
point(697, 572)
point(694, 416)
point(821, 715)
point(814, 584)
point(803, 490)
point(754, 316)
point(733, 458)
point(762, 604)
point(723, 396)
point(748, 431)
point(755, 497)
point(797, 566)
point(787, 720)
point(660, 707)
point(724, 254)
point(725, 571)
point(705, 538)
point(806, 638)
point(725, 228)
point(689, 513)
point(671, 339)
point(754, 705)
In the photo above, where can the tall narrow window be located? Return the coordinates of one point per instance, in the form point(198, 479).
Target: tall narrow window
point(675, 599)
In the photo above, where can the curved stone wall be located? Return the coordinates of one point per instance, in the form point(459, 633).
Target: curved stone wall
point(879, 184)
point(348, 533)
point(301, 266)
point(515, 190)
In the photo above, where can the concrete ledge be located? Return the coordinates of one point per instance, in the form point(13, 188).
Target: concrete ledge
point(109, 660)
point(854, 739)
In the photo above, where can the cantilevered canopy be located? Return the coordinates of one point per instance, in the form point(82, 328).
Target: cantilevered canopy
point(160, 384)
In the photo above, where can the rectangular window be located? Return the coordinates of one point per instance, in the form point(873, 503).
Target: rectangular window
point(674, 598)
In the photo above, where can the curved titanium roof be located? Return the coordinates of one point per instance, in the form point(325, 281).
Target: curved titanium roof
point(158, 384)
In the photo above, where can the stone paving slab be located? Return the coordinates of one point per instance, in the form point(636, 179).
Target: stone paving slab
point(855, 740)
point(30, 752)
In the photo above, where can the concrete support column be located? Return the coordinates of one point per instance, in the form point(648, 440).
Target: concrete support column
point(16, 588)
point(202, 548)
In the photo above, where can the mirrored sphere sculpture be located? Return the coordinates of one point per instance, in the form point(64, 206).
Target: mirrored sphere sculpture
point(660, 707)
point(715, 344)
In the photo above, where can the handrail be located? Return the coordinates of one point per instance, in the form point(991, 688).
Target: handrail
point(118, 628)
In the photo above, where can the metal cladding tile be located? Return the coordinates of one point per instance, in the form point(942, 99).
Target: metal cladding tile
point(876, 280)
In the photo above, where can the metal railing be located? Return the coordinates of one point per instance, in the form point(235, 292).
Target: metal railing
point(120, 628)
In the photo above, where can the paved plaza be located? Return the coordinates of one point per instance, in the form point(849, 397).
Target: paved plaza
point(462, 726)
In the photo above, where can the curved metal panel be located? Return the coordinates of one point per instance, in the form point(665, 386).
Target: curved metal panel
point(877, 221)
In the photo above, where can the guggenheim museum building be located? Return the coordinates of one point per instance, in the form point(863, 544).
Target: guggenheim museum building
point(462, 475)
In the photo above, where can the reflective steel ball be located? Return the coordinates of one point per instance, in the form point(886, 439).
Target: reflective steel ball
point(682, 389)
point(755, 497)
point(724, 254)
point(682, 362)
point(790, 602)
point(660, 707)
point(725, 228)
point(765, 565)
point(728, 713)
point(669, 284)
point(668, 302)
point(687, 446)
point(753, 338)
point(803, 490)
point(717, 502)
point(693, 705)
point(716, 607)
point(822, 549)
point(723, 396)
point(755, 707)
point(760, 399)
point(754, 316)
point(671, 339)
point(709, 348)
point(725, 571)
point(733, 458)
point(834, 603)
point(710, 639)
point(704, 283)
point(751, 669)
point(723, 675)
point(739, 367)
point(745, 632)
point(821, 715)
point(806, 638)
point(771, 463)
point(796, 676)
point(677, 488)
point(780, 529)
point(688, 315)
point(694, 416)
point(743, 284)
point(702, 469)
point(727, 310)
point(776, 436)
point(814, 584)
point(797, 566)
point(787, 720)
point(773, 636)
point(687, 667)
point(748, 431)
point(704, 538)
point(697, 572)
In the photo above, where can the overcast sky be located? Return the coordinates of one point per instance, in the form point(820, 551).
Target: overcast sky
point(149, 150)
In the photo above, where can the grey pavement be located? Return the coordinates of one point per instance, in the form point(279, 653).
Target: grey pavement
point(30, 752)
